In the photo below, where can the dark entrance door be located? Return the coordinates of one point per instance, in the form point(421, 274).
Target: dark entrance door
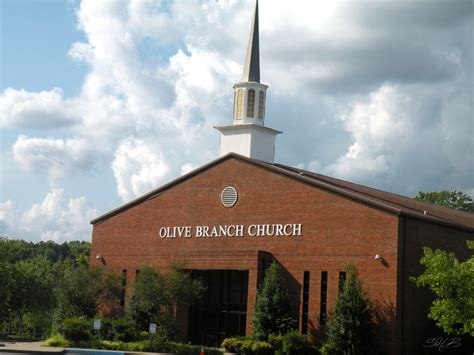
point(222, 312)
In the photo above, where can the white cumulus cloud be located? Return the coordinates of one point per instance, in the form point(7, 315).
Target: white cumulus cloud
point(58, 157)
point(138, 167)
point(398, 142)
point(55, 218)
point(44, 109)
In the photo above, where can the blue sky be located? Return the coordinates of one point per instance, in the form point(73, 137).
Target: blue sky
point(101, 101)
point(36, 36)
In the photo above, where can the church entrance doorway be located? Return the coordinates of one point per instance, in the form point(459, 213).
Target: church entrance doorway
point(222, 311)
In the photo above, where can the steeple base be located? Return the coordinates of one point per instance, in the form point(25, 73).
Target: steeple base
point(250, 140)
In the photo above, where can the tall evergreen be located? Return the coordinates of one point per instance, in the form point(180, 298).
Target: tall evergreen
point(349, 325)
point(272, 313)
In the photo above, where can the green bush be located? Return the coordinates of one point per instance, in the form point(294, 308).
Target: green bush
point(157, 343)
point(327, 349)
point(247, 346)
point(77, 329)
point(276, 341)
point(57, 340)
point(232, 345)
point(262, 348)
point(121, 329)
point(295, 343)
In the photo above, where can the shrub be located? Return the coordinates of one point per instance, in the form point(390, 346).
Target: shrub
point(157, 343)
point(276, 341)
point(327, 349)
point(262, 348)
point(57, 340)
point(77, 329)
point(349, 325)
point(295, 343)
point(272, 308)
point(121, 329)
point(232, 345)
point(247, 346)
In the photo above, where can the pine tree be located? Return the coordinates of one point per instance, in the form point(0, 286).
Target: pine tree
point(349, 324)
point(272, 313)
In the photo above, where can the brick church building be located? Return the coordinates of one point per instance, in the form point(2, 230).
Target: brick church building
point(229, 219)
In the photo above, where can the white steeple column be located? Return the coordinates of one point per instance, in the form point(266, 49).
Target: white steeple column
point(248, 135)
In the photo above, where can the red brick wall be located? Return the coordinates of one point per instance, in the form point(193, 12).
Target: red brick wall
point(336, 231)
point(416, 327)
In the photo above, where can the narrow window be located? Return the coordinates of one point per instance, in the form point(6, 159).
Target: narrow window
point(261, 104)
point(342, 280)
point(250, 102)
point(235, 105)
point(324, 295)
point(304, 315)
point(137, 273)
point(238, 105)
point(124, 287)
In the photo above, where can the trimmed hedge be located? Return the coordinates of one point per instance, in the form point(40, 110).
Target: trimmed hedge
point(247, 346)
point(292, 343)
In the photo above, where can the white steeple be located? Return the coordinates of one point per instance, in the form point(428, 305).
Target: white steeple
point(248, 135)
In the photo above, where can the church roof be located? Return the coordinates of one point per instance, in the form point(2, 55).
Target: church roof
point(401, 204)
point(387, 201)
point(252, 61)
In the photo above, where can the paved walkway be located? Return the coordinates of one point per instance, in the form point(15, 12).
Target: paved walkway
point(28, 348)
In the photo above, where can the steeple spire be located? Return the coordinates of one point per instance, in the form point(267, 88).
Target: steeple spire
point(248, 135)
point(252, 61)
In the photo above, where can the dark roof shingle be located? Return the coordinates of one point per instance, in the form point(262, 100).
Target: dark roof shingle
point(403, 203)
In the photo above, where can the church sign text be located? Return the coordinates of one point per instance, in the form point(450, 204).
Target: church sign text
point(233, 230)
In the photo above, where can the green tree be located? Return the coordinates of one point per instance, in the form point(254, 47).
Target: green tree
point(349, 324)
point(156, 295)
point(29, 274)
point(453, 283)
point(452, 199)
point(82, 291)
point(9, 276)
point(272, 312)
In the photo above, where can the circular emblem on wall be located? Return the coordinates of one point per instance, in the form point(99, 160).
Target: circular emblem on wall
point(229, 196)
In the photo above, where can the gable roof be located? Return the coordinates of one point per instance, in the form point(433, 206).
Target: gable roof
point(383, 200)
point(405, 205)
